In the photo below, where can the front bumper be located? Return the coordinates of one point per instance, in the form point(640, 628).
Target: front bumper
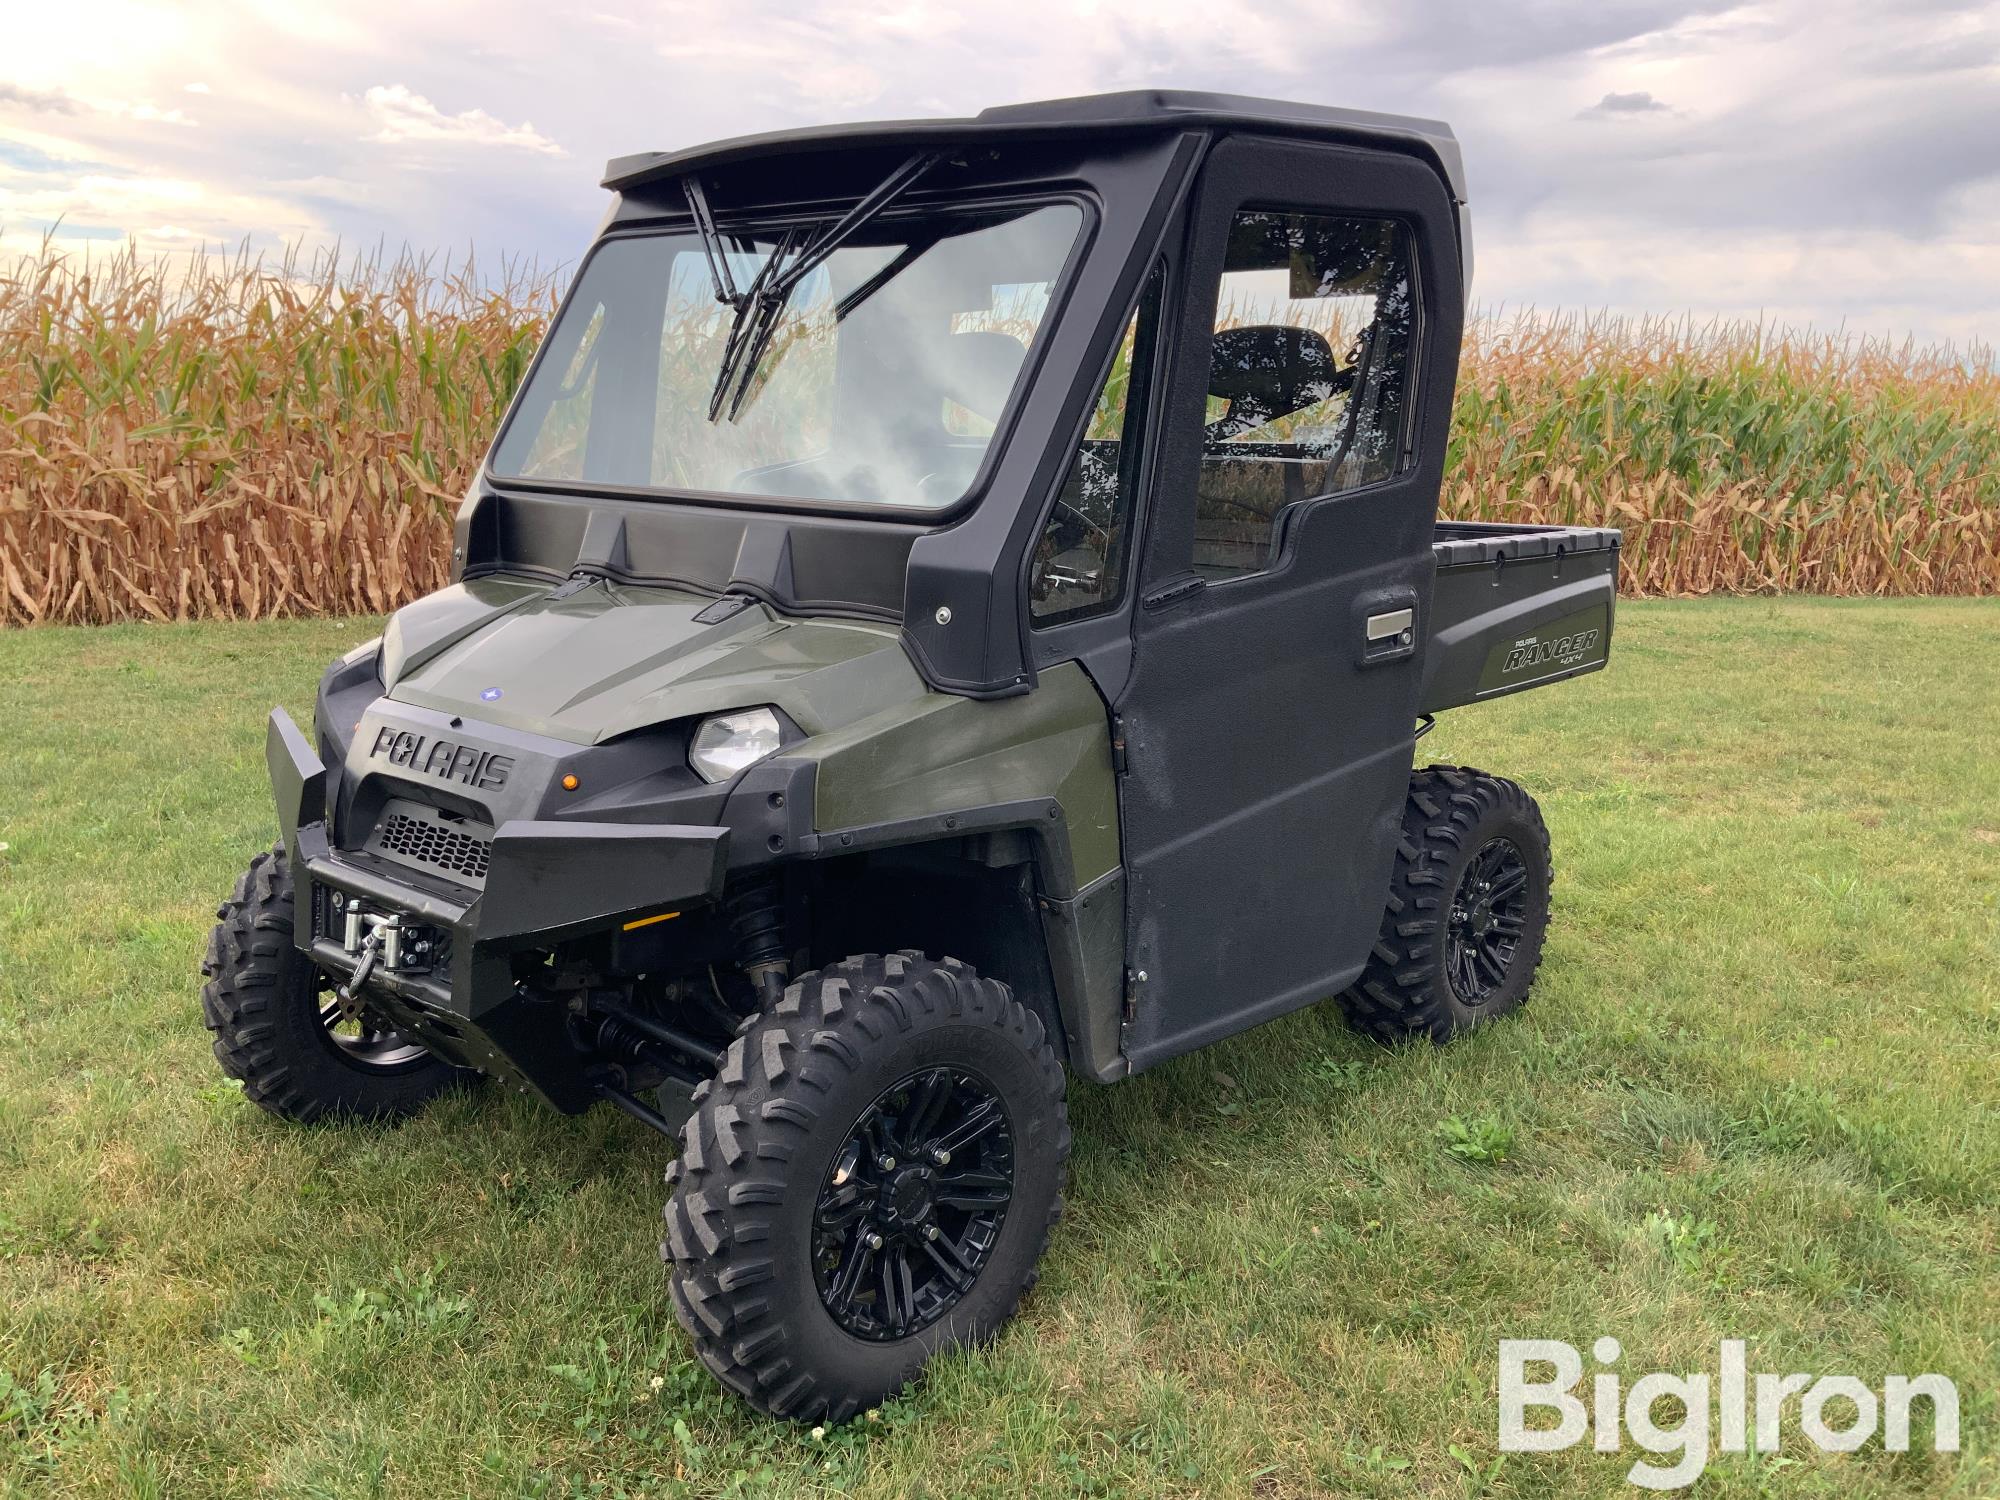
point(544, 882)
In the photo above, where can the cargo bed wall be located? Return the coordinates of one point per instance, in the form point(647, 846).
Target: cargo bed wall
point(1516, 607)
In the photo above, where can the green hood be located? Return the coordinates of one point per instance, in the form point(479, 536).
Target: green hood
point(611, 659)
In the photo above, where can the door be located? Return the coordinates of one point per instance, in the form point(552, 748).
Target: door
point(1270, 717)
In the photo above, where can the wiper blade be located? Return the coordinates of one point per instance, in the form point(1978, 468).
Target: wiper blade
point(759, 309)
point(744, 330)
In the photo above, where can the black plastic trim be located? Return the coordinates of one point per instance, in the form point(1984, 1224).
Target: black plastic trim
point(1040, 817)
point(965, 611)
point(551, 879)
point(298, 778)
point(1133, 110)
point(1085, 936)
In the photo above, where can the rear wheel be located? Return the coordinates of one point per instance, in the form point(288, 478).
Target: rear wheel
point(1468, 908)
point(300, 1051)
point(871, 1176)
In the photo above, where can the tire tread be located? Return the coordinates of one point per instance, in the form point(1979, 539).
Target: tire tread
point(758, 1113)
point(1401, 992)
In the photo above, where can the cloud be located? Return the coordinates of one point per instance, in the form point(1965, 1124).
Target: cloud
point(144, 111)
point(1699, 180)
point(99, 203)
point(54, 102)
point(1639, 103)
point(36, 101)
point(403, 115)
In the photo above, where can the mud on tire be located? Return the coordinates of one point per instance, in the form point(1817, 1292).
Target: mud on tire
point(262, 1001)
point(766, 1139)
point(1430, 972)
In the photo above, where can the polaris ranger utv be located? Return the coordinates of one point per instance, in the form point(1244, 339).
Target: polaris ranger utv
point(950, 607)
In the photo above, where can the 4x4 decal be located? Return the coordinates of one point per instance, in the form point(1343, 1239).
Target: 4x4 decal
point(1563, 651)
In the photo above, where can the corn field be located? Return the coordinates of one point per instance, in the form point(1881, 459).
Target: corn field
point(231, 438)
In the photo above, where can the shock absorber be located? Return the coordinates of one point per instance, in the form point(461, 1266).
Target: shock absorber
point(756, 913)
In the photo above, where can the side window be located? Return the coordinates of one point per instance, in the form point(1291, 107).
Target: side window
point(559, 445)
point(1306, 386)
point(1081, 557)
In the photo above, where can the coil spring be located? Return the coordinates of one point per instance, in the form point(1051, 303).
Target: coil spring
point(756, 916)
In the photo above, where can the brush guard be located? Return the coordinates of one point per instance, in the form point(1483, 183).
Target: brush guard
point(547, 882)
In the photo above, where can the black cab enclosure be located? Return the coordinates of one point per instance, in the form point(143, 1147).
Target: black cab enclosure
point(1248, 564)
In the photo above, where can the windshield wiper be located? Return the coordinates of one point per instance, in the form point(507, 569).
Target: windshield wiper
point(759, 309)
point(712, 243)
point(745, 327)
point(915, 251)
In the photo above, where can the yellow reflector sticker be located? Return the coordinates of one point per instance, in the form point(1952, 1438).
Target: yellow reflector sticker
point(665, 916)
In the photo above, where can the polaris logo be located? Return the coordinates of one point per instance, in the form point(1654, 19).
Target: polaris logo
point(1563, 650)
point(484, 769)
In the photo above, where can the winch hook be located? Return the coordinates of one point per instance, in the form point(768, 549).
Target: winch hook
point(370, 946)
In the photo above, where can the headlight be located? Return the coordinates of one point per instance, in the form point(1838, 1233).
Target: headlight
point(728, 743)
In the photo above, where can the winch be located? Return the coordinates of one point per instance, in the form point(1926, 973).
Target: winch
point(380, 938)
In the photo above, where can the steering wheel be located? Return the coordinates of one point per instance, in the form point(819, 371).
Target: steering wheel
point(950, 487)
point(1070, 515)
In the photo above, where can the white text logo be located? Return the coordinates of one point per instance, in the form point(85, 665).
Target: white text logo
point(1748, 1408)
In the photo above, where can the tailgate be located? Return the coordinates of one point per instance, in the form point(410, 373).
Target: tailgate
point(1516, 607)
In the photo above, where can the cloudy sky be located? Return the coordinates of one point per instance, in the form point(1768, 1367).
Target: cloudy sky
point(1821, 162)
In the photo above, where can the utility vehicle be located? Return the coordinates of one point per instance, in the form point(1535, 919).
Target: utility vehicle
point(950, 608)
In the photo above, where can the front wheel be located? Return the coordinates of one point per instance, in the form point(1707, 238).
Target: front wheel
point(1468, 909)
point(300, 1052)
point(870, 1177)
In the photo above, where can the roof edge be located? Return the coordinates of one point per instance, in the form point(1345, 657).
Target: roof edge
point(1134, 110)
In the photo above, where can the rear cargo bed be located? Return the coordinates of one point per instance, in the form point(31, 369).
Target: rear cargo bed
point(1515, 607)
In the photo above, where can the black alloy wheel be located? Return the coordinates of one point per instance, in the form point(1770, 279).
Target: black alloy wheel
point(359, 1034)
point(871, 1176)
point(1468, 907)
point(910, 1212)
point(1489, 916)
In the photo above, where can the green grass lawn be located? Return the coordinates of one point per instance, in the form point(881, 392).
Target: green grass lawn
point(1755, 1095)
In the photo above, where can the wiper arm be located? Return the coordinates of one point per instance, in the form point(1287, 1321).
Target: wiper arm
point(911, 254)
point(712, 243)
point(758, 311)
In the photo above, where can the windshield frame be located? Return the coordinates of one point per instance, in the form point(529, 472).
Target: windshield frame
point(913, 207)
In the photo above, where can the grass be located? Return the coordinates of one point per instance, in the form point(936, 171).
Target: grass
point(1754, 1096)
point(229, 439)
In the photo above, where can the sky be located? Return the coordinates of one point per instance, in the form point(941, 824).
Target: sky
point(1817, 163)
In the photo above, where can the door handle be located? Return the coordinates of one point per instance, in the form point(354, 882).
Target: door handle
point(1388, 635)
point(1391, 627)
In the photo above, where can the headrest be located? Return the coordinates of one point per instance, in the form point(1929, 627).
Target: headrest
point(1269, 370)
point(978, 370)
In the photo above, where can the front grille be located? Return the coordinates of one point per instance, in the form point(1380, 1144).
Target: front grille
point(416, 835)
point(403, 837)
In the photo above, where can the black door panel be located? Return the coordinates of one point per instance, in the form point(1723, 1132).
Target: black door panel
point(1268, 741)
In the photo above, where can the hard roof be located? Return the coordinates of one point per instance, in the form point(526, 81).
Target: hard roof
point(1136, 110)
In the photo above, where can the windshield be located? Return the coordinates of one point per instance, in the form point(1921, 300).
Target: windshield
point(880, 383)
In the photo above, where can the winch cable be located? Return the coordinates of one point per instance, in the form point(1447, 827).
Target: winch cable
point(370, 946)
